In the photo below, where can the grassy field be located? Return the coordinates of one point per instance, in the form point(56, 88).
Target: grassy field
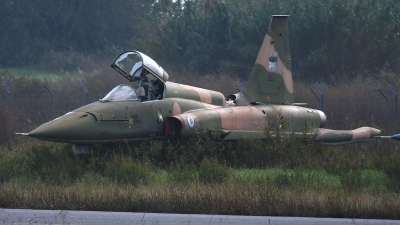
point(147, 178)
point(234, 196)
point(30, 73)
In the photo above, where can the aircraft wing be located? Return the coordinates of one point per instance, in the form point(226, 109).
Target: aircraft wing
point(248, 134)
point(324, 136)
point(339, 137)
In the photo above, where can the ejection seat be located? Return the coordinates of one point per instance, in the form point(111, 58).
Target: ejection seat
point(140, 92)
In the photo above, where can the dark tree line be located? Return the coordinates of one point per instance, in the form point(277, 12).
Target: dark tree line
point(333, 37)
point(32, 28)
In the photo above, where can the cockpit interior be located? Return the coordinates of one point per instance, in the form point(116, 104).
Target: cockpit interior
point(147, 78)
point(146, 89)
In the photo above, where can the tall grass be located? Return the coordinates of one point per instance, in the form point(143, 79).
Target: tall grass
point(334, 183)
point(233, 197)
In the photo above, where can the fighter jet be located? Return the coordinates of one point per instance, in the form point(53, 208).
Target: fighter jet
point(153, 107)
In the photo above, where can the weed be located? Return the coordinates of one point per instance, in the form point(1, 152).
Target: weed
point(211, 171)
point(126, 170)
point(8, 168)
point(185, 175)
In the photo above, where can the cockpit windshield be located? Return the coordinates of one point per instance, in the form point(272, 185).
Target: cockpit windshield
point(120, 93)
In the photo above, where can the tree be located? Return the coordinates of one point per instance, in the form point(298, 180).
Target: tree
point(33, 28)
point(335, 37)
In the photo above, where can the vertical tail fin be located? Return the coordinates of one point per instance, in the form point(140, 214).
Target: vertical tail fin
point(270, 80)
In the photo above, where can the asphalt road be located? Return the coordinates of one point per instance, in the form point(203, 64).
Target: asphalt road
point(29, 216)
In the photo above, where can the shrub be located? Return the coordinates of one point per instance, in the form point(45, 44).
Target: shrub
point(392, 169)
point(211, 171)
point(126, 170)
point(185, 175)
point(8, 168)
point(52, 162)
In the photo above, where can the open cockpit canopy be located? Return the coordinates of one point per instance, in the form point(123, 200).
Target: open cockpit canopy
point(134, 65)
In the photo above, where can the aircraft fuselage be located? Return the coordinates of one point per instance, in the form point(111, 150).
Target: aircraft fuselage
point(132, 120)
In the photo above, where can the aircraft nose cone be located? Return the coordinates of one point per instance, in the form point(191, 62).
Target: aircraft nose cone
point(70, 127)
point(49, 131)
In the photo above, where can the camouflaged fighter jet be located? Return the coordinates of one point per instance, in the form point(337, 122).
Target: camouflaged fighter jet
point(155, 107)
